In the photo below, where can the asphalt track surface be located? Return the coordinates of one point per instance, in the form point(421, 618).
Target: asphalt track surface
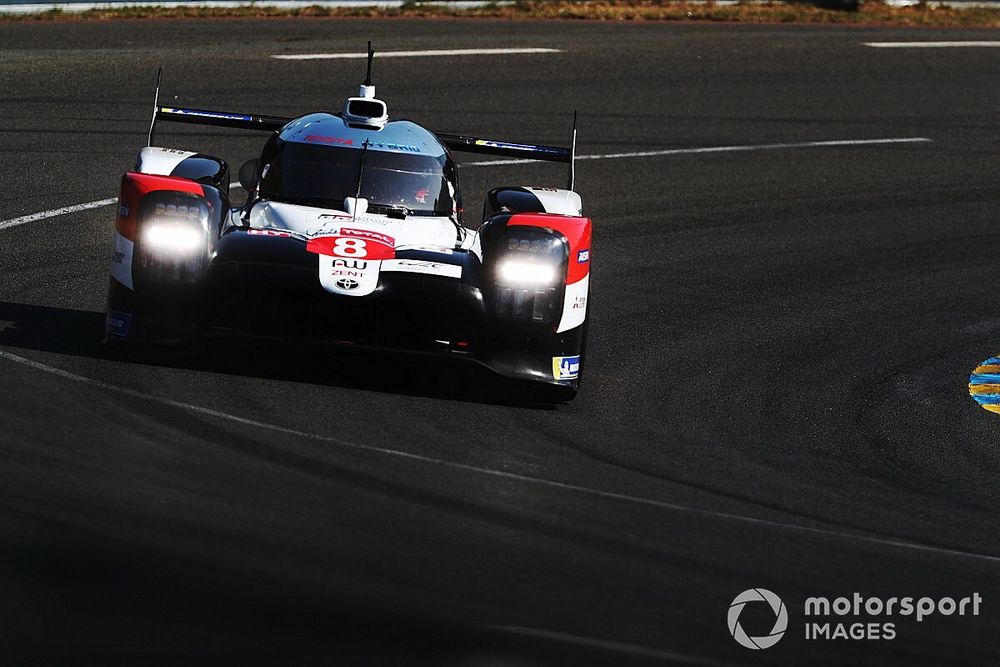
point(775, 394)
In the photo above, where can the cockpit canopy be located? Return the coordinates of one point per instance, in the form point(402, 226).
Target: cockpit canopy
point(316, 160)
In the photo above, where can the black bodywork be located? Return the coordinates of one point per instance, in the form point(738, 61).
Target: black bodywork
point(265, 286)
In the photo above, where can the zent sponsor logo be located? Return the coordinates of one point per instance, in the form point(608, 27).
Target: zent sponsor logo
point(566, 368)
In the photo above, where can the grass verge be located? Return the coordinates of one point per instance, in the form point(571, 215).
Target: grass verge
point(868, 13)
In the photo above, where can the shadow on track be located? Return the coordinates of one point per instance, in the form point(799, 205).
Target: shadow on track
point(80, 333)
point(74, 598)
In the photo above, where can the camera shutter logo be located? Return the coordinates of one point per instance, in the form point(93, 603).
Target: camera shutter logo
point(780, 622)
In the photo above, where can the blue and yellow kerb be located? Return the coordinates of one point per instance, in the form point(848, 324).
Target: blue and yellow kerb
point(984, 384)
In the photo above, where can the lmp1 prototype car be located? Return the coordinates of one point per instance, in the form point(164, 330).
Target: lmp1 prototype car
point(352, 234)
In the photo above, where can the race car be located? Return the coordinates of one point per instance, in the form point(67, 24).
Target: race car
point(353, 234)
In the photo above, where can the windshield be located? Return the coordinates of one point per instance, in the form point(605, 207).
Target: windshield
point(323, 176)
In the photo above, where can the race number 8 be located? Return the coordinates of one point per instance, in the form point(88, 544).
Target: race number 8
point(350, 247)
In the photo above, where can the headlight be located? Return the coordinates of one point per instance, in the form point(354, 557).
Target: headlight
point(173, 237)
point(174, 226)
point(531, 259)
point(529, 274)
point(521, 272)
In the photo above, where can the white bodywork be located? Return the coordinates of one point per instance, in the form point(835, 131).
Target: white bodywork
point(563, 202)
point(121, 260)
point(353, 274)
point(574, 304)
point(160, 161)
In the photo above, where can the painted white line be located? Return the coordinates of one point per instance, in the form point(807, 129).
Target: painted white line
point(5, 224)
point(499, 474)
point(413, 54)
point(607, 645)
point(76, 208)
point(25, 219)
point(716, 149)
point(931, 45)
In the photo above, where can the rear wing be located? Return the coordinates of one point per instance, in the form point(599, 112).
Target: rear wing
point(455, 142)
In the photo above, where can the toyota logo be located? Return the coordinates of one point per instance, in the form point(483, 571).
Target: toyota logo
point(347, 283)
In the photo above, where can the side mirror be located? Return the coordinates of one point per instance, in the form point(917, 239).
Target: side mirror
point(248, 175)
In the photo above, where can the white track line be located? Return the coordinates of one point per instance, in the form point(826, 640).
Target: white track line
point(414, 54)
point(717, 149)
point(24, 219)
point(931, 45)
point(34, 217)
point(500, 474)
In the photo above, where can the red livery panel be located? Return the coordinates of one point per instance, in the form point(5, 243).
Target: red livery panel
point(357, 246)
point(136, 186)
point(577, 232)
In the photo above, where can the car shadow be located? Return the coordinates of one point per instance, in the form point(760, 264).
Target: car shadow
point(81, 333)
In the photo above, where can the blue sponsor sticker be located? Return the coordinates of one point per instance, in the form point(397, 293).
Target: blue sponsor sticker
point(400, 148)
point(550, 150)
point(566, 368)
point(118, 323)
point(583, 256)
point(208, 114)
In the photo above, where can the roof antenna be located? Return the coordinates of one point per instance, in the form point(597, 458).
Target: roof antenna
point(368, 88)
point(371, 58)
point(572, 155)
point(156, 102)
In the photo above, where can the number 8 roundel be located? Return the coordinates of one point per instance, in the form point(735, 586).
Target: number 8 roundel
point(351, 247)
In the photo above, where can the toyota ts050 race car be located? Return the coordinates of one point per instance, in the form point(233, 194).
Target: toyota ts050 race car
point(352, 233)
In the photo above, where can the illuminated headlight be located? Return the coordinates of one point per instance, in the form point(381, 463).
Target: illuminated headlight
point(529, 273)
point(518, 271)
point(173, 237)
point(173, 240)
